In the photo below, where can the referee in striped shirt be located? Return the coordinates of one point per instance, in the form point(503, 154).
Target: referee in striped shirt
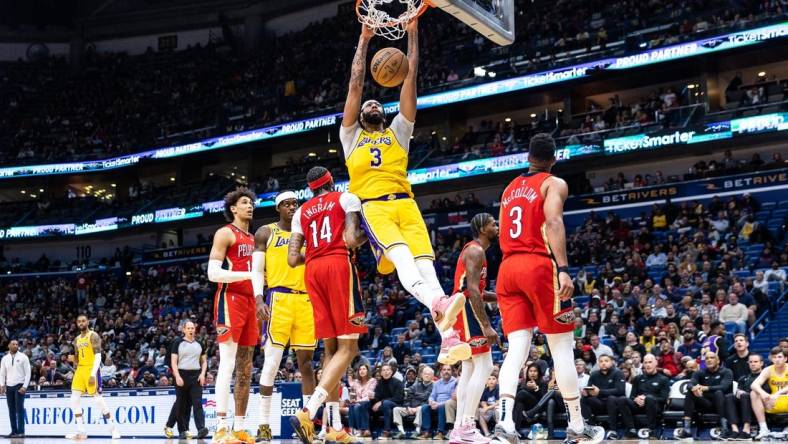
point(189, 363)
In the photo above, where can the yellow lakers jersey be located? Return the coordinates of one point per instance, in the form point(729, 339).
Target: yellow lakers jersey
point(85, 350)
point(277, 272)
point(378, 165)
point(777, 382)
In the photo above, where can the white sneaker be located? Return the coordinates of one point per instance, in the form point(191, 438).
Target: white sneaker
point(115, 433)
point(77, 436)
point(762, 434)
point(471, 435)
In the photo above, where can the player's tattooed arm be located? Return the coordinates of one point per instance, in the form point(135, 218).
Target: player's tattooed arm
point(354, 235)
point(408, 93)
point(95, 342)
point(474, 260)
point(243, 378)
point(261, 237)
point(358, 70)
point(294, 255)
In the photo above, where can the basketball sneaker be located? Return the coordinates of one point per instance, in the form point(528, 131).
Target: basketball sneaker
point(224, 436)
point(168, 433)
point(77, 436)
point(337, 436)
point(589, 435)
point(445, 309)
point(500, 435)
point(303, 426)
point(115, 433)
point(242, 436)
point(467, 434)
point(453, 349)
point(264, 433)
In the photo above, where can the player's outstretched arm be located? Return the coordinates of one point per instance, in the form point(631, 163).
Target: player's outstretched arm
point(474, 258)
point(357, 72)
point(408, 93)
point(555, 196)
point(261, 237)
point(221, 242)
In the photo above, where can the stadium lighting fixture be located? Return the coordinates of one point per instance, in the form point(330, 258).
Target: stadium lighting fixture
point(443, 138)
point(23, 191)
point(643, 45)
point(479, 71)
point(40, 190)
point(333, 150)
point(507, 120)
point(762, 74)
point(33, 196)
point(491, 74)
point(114, 185)
point(691, 86)
point(172, 179)
point(533, 115)
point(312, 154)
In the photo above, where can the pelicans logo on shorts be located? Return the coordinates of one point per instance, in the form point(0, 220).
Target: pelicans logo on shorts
point(567, 317)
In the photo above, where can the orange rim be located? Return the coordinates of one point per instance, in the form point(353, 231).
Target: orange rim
point(425, 4)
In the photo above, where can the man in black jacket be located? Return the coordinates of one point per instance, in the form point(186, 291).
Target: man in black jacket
point(389, 393)
point(738, 362)
point(739, 405)
point(650, 391)
point(605, 387)
point(707, 390)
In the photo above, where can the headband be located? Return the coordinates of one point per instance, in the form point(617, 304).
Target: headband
point(320, 181)
point(283, 196)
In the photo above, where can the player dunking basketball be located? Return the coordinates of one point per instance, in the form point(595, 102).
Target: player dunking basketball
point(533, 242)
point(230, 265)
point(474, 328)
point(329, 226)
point(87, 379)
point(376, 156)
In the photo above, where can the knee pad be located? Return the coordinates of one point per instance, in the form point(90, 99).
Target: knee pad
point(273, 357)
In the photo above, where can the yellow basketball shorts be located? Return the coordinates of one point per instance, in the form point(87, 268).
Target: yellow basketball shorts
point(389, 223)
point(81, 381)
point(780, 406)
point(292, 319)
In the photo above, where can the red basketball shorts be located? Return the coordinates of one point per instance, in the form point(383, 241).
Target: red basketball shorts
point(333, 286)
point(470, 330)
point(235, 316)
point(527, 289)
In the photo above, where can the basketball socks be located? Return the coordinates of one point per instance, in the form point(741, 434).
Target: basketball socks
point(221, 422)
point(80, 422)
point(265, 409)
point(305, 399)
point(762, 427)
point(238, 423)
point(314, 402)
point(227, 352)
point(482, 368)
point(519, 345)
point(505, 408)
point(562, 347)
point(334, 418)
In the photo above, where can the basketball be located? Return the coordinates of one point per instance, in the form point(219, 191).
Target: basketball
point(389, 67)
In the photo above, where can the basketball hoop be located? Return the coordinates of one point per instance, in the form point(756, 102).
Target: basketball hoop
point(382, 23)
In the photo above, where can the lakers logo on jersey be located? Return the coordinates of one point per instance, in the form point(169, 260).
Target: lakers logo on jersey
point(384, 139)
point(277, 272)
point(378, 166)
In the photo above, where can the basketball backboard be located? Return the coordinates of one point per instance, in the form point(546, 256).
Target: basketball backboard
point(493, 19)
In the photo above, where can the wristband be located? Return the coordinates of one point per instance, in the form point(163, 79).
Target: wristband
point(563, 269)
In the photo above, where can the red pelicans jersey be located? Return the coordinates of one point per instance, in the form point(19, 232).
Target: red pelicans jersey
point(460, 283)
point(322, 220)
point(522, 216)
point(239, 258)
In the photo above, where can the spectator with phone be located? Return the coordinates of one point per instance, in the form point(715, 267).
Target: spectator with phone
point(601, 396)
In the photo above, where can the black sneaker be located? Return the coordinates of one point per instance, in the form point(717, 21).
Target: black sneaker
point(612, 435)
point(631, 434)
point(744, 436)
point(202, 433)
point(726, 435)
point(682, 433)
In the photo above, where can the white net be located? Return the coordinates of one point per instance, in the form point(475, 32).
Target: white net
point(374, 14)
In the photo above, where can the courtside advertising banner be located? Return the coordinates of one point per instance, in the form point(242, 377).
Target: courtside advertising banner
point(142, 413)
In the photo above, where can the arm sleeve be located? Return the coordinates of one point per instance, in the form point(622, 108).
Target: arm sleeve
point(258, 271)
point(403, 129)
point(217, 274)
point(349, 202)
point(348, 136)
point(295, 226)
point(96, 365)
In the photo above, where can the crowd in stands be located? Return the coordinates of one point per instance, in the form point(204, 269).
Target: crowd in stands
point(653, 294)
point(118, 104)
